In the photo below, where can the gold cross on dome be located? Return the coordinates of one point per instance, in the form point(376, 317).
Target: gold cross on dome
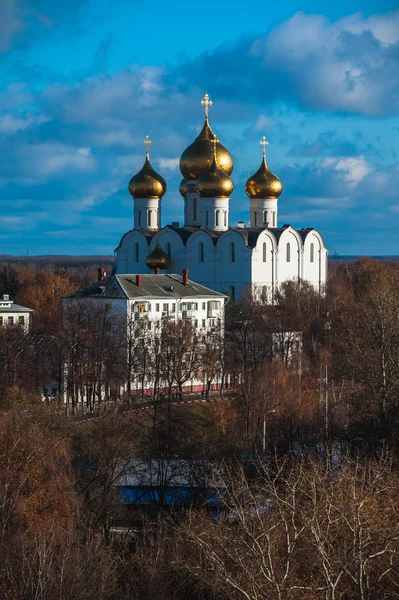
point(264, 143)
point(207, 103)
point(147, 143)
point(214, 142)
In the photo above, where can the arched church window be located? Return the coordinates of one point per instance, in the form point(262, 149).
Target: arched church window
point(274, 219)
point(225, 218)
point(195, 208)
point(217, 218)
point(265, 218)
point(139, 219)
point(255, 219)
point(136, 252)
point(312, 252)
point(201, 252)
point(288, 258)
point(206, 219)
point(149, 221)
point(232, 252)
point(168, 250)
point(264, 251)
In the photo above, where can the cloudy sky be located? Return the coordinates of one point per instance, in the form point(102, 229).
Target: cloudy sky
point(83, 82)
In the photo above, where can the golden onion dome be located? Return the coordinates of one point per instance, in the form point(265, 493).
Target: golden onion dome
point(147, 183)
point(215, 183)
point(197, 158)
point(263, 183)
point(183, 188)
point(157, 259)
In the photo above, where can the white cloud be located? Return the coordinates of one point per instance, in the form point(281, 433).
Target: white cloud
point(354, 169)
point(344, 65)
point(169, 163)
point(41, 161)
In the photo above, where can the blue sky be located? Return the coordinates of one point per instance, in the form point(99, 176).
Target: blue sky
point(83, 81)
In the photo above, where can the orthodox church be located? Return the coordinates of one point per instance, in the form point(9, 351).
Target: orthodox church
point(225, 258)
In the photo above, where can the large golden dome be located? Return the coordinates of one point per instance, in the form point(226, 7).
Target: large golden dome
point(263, 183)
point(215, 183)
point(197, 158)
point(157, 259)
point(147, 183)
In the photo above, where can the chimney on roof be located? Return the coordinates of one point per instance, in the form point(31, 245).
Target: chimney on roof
point(138, 280)
point(101, 274)
point(185, 276)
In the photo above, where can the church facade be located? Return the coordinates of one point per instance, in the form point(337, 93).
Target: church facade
point(225, 258)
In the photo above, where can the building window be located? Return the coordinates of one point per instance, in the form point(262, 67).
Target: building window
point(203, 323)
point(232, 252)
point(196, 322)
point(288, 258)
point(168, 250)
point(217, 218)
point(195, 209)
point(10, 320)
point(265, 223)
point(136, 252)
point(165, 308)
point(157, 307)
point(173, 307)
point(274, 219)
point(139, 218)
point(149, 218)
point(21, 320)
point(225, 218)
point(206, 219)
point(201, 252)
point(204, 306)
point(255, 219)
point(312, 252)
point(264, 251)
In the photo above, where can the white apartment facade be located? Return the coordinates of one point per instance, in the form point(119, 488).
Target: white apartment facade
point(145, 302)
point(14, 314)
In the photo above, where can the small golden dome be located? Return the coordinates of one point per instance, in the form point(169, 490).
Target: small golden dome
point(215, 183)
point(197, 158)
point(183, 188)
point(157, 259)
point(263, 183)
point(147, 183)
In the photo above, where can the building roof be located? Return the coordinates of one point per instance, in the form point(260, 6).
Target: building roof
point(10, 307)
point(152, 286)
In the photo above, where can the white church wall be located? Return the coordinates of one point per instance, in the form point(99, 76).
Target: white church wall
point(314, 260)
point(264, 264)
point(289, 256)
point(202, 271)
point(134, 246)
point(172, 244)
point(233, 275)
